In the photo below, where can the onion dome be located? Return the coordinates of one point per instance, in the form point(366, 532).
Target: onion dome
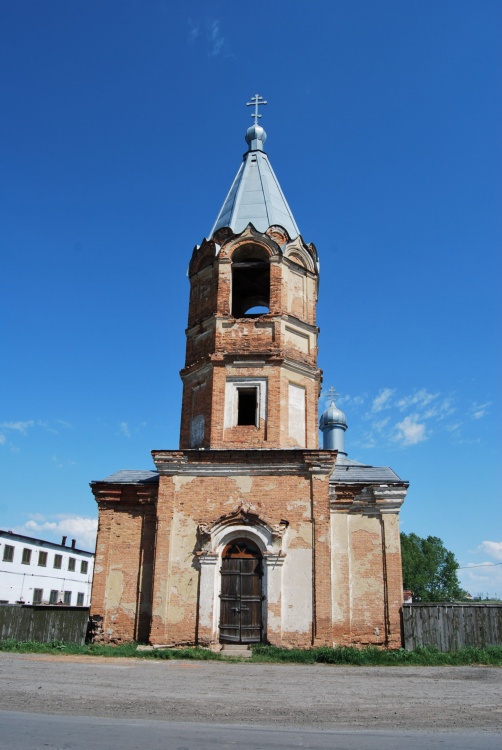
point(333, 424)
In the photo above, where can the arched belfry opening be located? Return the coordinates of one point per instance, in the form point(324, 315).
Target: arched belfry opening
point(241, 593)
point(250, 282)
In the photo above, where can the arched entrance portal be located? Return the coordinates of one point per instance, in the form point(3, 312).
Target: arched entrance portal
point(241, 593)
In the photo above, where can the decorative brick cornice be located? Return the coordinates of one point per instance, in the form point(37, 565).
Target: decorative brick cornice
point(370, 498)
point(125, 494)
point(225, 462)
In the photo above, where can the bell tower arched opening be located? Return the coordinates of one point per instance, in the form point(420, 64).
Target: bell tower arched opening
point(250, 282)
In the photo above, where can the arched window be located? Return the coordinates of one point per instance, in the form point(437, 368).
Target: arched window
point(250, 282)
point(241, 548)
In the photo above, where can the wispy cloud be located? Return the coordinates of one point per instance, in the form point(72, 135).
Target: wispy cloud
point(193, 30)
point(207, 32)
point(479, 410)
point(419, 399)
point(383, 400)
point(128, 430)
point(62, 463)
point(410, 431)
point(21, 427)
point(215, 37)
point(348, 400)
point(53, 527)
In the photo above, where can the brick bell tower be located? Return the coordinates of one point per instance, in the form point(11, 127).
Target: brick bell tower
point(248, 532)
point(251, 378)
point(249, 477)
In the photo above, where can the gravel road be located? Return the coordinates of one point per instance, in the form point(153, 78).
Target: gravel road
point(320, 696)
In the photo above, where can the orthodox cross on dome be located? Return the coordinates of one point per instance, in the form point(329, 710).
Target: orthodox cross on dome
point(332, 394)
point(255, 102)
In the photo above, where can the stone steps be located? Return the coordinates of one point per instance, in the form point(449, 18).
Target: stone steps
point(236, 650)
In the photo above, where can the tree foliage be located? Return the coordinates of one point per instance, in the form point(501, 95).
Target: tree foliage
point(429, 569)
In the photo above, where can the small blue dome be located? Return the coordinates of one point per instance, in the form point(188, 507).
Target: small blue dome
point(333, 416)
point(333, 424)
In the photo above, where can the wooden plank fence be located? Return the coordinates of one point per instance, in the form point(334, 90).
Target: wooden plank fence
point(43, 623)
point(449, 627)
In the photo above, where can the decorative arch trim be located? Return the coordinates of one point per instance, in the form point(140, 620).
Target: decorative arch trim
point(240, 523)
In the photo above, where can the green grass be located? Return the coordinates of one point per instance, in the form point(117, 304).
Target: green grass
point(96, 649)
point(426, 657)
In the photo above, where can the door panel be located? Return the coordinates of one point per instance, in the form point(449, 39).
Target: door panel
point(241, 600)
point(251, 601)
point(230, 601)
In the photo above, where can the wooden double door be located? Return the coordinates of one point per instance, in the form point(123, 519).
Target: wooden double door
point(241, 593)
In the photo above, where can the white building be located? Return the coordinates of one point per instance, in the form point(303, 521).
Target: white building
point(36, 572)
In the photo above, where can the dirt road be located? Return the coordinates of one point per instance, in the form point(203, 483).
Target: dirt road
point(320, 696)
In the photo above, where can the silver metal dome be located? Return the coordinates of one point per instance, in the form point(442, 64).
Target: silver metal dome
point(332, 416)
point(333, 424)
point(255, 137)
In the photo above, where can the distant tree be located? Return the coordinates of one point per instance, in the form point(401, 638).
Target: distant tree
point(429, 569)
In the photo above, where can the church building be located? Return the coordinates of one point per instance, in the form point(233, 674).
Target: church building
point(249, 532)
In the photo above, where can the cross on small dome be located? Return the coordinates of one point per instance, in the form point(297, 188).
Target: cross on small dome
point(255, 102)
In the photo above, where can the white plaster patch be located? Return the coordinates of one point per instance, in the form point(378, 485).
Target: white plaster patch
point(180, 481)
point(244, 484)
point(115, 588)
point(296, 413)
point(297, 587)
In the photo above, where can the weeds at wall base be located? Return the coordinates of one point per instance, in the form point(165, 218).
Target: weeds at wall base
point(344, 656)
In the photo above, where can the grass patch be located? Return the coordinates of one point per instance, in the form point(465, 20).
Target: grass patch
point(128, 650)
point(424, 656)
point(370, 656)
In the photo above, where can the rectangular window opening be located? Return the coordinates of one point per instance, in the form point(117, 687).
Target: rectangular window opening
point(38, 596)
point(83, 567)
point(247, 406)
point(26, 559)
point(67, 597)
point(8, 553)
point(53, 599)
point(71, 564)
point(58, 560)
point(80, 599)
point(42, 559)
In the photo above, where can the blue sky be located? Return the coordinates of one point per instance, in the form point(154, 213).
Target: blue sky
point(122, 128)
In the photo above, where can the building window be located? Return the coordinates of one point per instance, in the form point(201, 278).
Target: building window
point(58, 559)
point(247, 402)
point(26, 559)
point(53, 599)
point(42, 559)
point(8, 553)
point(38, 595)
point(67, 597)
point(84, 565)
point(80, 600)
point(71, 564)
